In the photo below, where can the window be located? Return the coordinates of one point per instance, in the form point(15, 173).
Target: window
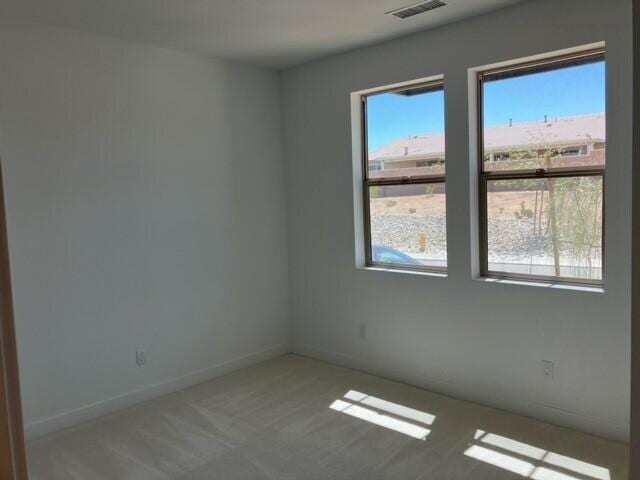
point(499, 157)
point(571, 152)
point(404, 177)
point(542, 167)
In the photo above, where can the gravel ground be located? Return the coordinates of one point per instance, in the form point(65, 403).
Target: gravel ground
point(402, 232)
point(515, 238)
point(506, 237)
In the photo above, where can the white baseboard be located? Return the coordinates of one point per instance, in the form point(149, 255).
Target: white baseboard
point(88, 412)
point(609, 429)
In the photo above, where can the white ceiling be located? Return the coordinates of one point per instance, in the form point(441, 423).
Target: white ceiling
point(273, 33)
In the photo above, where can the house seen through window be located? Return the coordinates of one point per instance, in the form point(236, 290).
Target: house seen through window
point(542, 168)
point(404, 177)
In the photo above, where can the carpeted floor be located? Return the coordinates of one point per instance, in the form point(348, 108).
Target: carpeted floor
point(297, 418)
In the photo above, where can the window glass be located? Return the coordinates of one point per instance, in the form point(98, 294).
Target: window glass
point(408, 224)
point(404, 177)
point(405, 133)
point(542, 169)
point(546, 227)
point(550, 119)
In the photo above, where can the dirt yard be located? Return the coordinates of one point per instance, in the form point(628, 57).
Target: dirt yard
point(502, 205)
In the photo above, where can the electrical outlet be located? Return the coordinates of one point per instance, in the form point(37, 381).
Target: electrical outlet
point(141, 358)
point(547, 369)
point(362, 331)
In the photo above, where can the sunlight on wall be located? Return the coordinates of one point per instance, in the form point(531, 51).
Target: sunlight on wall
point(536, 462)
point(385, 414)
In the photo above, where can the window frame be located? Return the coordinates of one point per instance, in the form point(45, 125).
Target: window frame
point(423, 87)
point(484, 177)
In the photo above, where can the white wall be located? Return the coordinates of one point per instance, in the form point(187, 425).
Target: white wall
point(460, 335)
point(146, 206)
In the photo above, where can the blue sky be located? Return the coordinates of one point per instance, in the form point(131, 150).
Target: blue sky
point(571, 91)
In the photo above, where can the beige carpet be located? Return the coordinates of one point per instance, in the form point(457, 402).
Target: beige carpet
point(296, 418)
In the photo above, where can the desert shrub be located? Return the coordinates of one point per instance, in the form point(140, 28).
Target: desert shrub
point(524, 212)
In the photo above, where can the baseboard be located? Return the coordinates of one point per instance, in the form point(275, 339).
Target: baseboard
point(514, 404)
point(74, 417)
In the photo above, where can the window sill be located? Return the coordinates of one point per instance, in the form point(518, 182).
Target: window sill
point(422, 273)
point(542, 284)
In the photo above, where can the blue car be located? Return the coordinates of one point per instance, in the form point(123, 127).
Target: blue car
point(382, 254)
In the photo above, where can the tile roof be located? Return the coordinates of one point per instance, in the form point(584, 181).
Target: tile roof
point(561, 131)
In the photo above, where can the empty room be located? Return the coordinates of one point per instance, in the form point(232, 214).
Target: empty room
point(319, 240)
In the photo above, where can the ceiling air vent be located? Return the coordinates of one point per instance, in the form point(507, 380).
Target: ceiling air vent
point(411, 10)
